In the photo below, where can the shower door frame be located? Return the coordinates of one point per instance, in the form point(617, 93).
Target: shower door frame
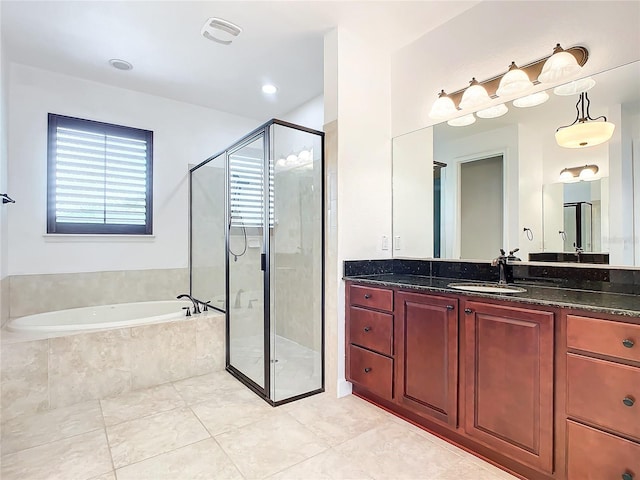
point(264, 129)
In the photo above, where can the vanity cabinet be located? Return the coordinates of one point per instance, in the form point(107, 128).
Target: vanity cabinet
point(508, 361)
point(369, 339)
point(602, 362)
point(426, 332)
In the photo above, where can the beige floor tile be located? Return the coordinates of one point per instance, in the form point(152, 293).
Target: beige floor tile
point(146, 437)
point(214, 386)
point(106, 476)
point(270, 445)
point(203, 460)
point(337, 420)
point(242, 407)
point(467, 469)
point(327, 465)
point(140, 403)
point(76, 458)
point(392, 451)
point(28, 431)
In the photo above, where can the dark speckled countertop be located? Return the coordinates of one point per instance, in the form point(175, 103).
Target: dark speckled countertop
point(594, 301)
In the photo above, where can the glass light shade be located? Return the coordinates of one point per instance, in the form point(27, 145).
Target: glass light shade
point(462, 121)
point(304, 156)
point(443, 108)
point(587, 173)
point(575, 87)
point(474, 96)
point(559, 66)
point(515, 81)
point(584, 134)
point(566, 176)
point(531, 100)
point(493, 112)
point(292, 158)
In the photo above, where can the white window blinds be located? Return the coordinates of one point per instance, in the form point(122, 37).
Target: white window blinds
point(246, 191)
point(99, 177)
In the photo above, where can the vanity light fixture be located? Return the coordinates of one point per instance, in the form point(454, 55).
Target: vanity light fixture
point(584, 131)
point(531, 100)
point(516, 81)
point(574, 174)
point(462, 121)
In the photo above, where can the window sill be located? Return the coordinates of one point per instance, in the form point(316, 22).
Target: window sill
point(96, 238)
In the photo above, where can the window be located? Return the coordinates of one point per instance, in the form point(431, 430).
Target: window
point(99, 178)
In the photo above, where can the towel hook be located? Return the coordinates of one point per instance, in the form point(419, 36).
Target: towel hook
point(6, 198)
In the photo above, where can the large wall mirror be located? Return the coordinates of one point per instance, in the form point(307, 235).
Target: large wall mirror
point(465, 192)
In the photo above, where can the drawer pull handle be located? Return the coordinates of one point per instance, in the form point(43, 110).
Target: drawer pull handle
point(367, 370)
point(628, 343)
point(367, 296)
point(468, 311)
point(627, 476)
point(628, 401)
point(367, 329)
point(450, 307)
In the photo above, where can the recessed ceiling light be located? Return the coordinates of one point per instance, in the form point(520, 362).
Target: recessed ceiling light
point(120, 64)
point(269, 89)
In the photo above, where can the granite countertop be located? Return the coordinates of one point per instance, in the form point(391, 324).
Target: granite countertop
point(594, 301)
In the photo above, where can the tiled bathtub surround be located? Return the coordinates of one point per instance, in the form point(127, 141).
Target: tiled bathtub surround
point(45, 374)
point(29, 294)
point(4, 301)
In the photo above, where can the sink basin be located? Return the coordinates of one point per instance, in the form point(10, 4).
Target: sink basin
point(486, 288)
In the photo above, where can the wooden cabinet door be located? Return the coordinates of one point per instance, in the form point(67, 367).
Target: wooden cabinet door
point(427, 355)
point(509, 381)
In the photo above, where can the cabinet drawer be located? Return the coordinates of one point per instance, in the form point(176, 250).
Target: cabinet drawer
point(596, 390)
point(371, 297)
point(595, 335)
point(372, 371)
point(595, 455)
point(372, 330)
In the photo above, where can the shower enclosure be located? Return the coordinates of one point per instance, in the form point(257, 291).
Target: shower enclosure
point(257, 238)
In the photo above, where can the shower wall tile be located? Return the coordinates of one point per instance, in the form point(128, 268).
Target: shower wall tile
point(89, 366)
point(4, 301)
point(162, 353)
point(24, 378)
point(29, 294)
point(210, 344)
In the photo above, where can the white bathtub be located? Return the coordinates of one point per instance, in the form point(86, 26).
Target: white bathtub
point(100, 317)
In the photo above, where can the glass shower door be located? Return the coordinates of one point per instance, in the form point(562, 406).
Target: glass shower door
point(246, 261)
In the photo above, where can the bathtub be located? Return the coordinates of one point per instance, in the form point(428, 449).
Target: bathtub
point(100, 317)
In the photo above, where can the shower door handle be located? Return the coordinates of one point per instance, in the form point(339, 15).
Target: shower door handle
point(263, 262)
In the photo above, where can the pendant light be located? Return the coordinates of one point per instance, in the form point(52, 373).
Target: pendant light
point(584, 131)
point(474, 96)
point(443, 107)
point(514, 82)
point(560, 66)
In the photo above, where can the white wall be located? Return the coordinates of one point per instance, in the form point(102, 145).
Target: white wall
point(483, 41)
point(310, 114)
point(183, 134)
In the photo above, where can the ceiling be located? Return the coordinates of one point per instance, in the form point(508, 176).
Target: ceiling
point(281, 43)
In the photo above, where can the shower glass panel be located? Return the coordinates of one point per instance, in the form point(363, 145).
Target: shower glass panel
point(295, 245)
point(208, 232)
point(245, 249)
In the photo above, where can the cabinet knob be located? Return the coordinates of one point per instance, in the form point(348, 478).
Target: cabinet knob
point(627, 476)
point(627, 342)
point(367, 329)
point(367, 370)
point(450, 307)
point(628, 401)
point(468, 311)
point(367, 296)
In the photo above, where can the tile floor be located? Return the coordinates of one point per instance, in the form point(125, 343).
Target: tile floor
point(212, 427)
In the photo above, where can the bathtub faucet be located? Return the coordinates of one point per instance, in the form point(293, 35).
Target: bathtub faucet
point(195, 301)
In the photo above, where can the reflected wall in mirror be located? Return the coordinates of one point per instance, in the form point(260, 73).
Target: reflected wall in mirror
point(533, 197)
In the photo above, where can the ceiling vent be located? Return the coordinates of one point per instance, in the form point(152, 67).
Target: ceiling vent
point(220, 31)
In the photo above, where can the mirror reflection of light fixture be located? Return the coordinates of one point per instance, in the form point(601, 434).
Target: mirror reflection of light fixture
point(559, 66)
point(574, 174)
point(443, 107)
point(575, 87)
point(531, 100)
point(493, 112)
point(584, 131)
point(462, 121)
